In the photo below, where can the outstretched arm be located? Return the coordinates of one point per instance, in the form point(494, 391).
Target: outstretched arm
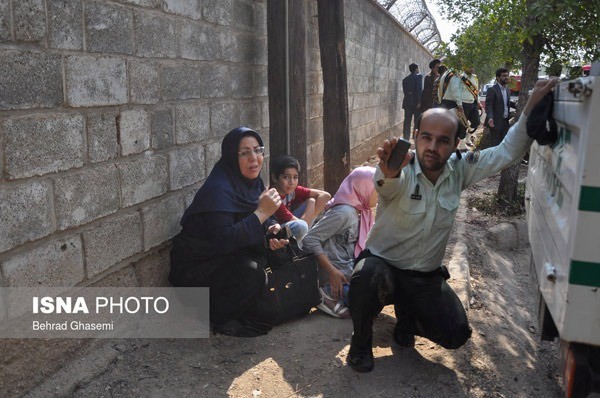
point(315, 205)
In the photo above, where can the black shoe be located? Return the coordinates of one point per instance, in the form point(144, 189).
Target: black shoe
point(360, 359)
point(406, 340)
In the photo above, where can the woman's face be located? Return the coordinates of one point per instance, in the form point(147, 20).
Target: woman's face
point(250, 157)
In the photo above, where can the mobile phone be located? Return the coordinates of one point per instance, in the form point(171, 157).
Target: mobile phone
point(398, 154)
point(284, 233)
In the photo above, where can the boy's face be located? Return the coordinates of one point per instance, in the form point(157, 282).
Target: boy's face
point(287, 181)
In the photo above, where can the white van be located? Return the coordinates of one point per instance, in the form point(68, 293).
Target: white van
point(563, 212)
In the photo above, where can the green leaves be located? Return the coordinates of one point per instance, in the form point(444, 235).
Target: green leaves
point(493, 32)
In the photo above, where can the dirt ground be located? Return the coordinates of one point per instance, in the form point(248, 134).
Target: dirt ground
point(306, 358)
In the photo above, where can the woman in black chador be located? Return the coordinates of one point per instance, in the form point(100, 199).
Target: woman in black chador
point(222, 242)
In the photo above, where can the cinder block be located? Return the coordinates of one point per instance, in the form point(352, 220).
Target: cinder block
point(56, 263)
point(226, 116)
point(247, 81)
point(30, 80)
point(190, 9)
point(29, 20)
point(265, 114)
point(204, 42)
point(102, 136)
point(212, 154)
point(192, 123)
point(153, 270)
point(96, 81)
point(181, 82)
point(189, 195)
point(134, 127)
point(155, 36)
point(85, 196)
point(215, 81)
point(3, 309)
point(43, 144)
point(109, 28)
point(218, 11)
point(65, 30)
point(112, 241)
point(186, 165)
point(124, 277)
point(245, 16)
point(261, 79)
point(5, 34)
point(25, 213)
point(161, 221)
point(144, 82)
point(143, 179)
point(162, 129)
point(249, 49)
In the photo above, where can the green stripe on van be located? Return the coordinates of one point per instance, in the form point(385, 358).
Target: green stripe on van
point(589, 199)
point(585, 273)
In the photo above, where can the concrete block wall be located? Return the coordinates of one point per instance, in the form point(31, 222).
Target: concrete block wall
point(111, 117)
point(378, 52)
point(112, 113)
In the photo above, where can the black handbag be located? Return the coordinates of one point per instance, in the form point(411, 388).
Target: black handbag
point(293, 288)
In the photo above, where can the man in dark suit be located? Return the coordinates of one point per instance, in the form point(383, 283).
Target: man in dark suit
point(412, 86)
point(497, 107)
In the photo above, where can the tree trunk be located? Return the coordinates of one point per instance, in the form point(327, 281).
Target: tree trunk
point(509, 181)
point(336, 128)
point(286, 31)
point(507, 189)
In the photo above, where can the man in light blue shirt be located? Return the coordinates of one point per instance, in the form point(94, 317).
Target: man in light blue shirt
point(417, 205)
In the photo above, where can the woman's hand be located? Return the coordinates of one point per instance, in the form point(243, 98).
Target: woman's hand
point(275, 244)
point(268, 203)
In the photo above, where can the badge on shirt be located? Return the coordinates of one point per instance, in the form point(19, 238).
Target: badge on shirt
point(416, 195)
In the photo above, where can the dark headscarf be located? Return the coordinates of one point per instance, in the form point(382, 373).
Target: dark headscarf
point(226, 189)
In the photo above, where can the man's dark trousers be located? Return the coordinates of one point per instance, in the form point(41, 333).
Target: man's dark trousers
point(410, 115)
point(425, 304)
point(499, 130)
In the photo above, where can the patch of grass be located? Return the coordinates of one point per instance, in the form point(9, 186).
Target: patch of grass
point(492, 205)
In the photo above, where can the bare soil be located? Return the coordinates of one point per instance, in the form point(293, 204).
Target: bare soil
point(306, 357)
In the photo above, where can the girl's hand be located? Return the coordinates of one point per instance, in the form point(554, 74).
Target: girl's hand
point(337, 280)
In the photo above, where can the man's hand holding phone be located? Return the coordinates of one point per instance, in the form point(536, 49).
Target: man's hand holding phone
point(393, 155)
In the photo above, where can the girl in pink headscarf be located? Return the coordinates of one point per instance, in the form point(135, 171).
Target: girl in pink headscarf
point(340, 235)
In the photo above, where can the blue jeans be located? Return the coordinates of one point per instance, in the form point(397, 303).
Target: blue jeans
point(299, 211)
point(299, 228)
point(346, 289)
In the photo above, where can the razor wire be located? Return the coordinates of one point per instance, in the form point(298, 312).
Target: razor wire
point(416, 18)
